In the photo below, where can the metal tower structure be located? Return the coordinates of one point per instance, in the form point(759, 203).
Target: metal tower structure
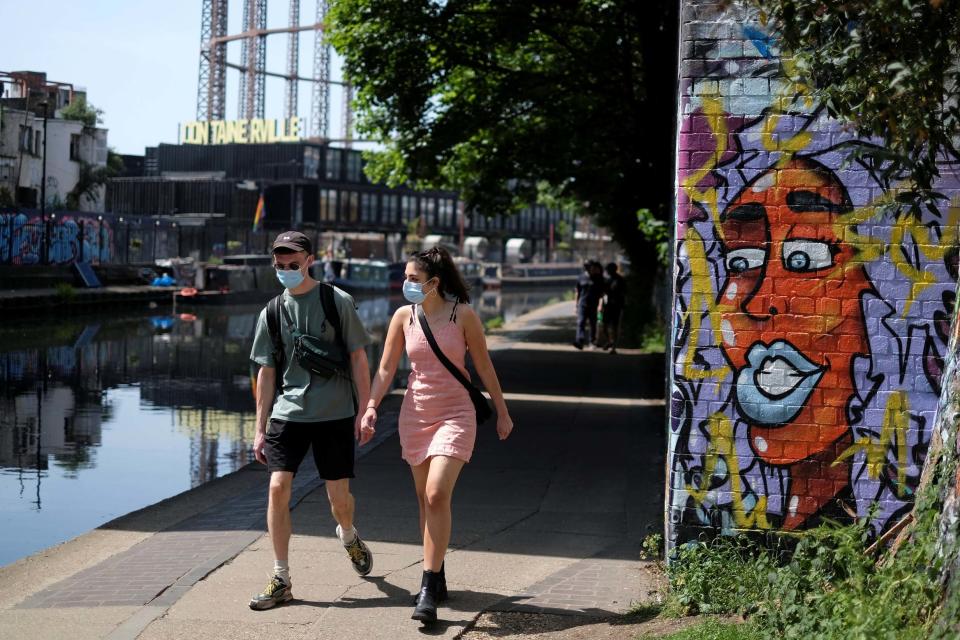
point(320, 105)
point(293, 61)
point(253, 55)
point(347, 118)
point(211, 89)
point(212, 85)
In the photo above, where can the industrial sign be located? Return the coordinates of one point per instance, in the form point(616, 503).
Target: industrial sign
point(240, 131)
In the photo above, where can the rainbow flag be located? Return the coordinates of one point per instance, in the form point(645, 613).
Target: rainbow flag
point(259, 215)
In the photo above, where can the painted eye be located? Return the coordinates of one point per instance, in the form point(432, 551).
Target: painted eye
point(806, 255)
point(740, 260)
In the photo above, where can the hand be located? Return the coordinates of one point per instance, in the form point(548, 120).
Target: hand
point(366, 426)
point(259, 441)
point(504, 425)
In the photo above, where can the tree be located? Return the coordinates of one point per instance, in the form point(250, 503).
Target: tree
point(80, 110)
point(889, 67)
point(91, 178)
point(514, 101)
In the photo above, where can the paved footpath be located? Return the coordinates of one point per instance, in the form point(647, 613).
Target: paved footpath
point(549, 521)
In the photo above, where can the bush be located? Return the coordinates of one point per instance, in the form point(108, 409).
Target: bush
point(65, 292)
point(725, 575)
point(828, 587)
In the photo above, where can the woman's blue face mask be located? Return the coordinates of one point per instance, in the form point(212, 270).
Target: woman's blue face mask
point(413, 292)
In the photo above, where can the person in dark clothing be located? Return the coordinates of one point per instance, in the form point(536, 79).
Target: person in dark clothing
point(613, 307)
point(590, 288)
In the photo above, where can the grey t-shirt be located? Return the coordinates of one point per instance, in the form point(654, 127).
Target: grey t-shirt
point(306, 397)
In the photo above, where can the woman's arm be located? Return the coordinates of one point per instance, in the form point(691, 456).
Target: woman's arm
point(392, 351)
point(477, 344)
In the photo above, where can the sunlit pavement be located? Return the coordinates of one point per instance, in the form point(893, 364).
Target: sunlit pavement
point(549, 520)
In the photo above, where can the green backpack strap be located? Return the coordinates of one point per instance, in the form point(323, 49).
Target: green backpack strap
point(273, 327)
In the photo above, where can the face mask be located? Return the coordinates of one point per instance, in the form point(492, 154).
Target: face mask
point(290, 279)
point(413, 292)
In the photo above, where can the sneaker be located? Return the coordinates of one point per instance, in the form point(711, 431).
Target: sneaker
point(578, 345)
point(276, 592)
point(359, 553)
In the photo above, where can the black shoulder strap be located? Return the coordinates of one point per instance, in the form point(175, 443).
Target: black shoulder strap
point(330, 312)
point(273, 327)
point(436, 349)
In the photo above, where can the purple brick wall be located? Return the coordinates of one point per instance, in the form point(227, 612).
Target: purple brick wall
point(810, 318)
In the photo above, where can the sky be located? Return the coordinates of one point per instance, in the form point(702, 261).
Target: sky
point(138, 61)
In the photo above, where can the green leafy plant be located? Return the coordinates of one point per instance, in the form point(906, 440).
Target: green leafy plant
point(493, 323)
point(65, 292)
point(82, 111)
point(890, 68)
point(715, 630)
point(652, 547)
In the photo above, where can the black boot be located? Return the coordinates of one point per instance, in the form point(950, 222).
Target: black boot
point(441, 587)
point(426, 609)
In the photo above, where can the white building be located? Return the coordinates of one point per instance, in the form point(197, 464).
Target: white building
point(70, 143)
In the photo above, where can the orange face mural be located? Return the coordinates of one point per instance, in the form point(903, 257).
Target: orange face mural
point(796, 322)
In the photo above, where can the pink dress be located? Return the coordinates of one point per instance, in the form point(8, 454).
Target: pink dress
point(437, 417)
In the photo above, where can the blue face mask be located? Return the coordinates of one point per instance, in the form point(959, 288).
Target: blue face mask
point(290, 279)
point(413, 292)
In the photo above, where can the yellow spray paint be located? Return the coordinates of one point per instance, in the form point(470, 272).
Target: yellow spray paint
point(723, 445)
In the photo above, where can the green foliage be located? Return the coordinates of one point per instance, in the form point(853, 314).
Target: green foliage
point(655, 231)
point(91, 178)
point(887, 66)
point(517, 101)
point(80, 110)
point(65, 292)
point(493, 323)
point(652, 547)
point(715, 630)
point(829, 587)
point(725, 575)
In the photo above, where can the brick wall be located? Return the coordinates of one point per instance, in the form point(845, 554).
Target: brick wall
point(810, 317)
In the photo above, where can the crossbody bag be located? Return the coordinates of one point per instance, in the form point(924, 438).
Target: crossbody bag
point(480, 403)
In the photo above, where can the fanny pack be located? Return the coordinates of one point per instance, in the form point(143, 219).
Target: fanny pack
point(317, 356)
point(480, 404)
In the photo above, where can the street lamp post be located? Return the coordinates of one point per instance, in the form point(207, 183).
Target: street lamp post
point(43, 188)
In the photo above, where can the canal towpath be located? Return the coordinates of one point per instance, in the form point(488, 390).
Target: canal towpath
point(549, 521)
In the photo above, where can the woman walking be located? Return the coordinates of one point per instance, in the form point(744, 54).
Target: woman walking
point(438, 420)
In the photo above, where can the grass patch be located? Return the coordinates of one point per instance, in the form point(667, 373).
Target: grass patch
point(715, 630)
point(65, 292)
point(493, 323)
point(819, 583)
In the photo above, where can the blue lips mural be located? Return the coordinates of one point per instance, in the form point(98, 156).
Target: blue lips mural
point(775, 384)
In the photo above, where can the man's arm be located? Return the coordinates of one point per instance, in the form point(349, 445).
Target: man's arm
point(266, 388)
point(360, 370)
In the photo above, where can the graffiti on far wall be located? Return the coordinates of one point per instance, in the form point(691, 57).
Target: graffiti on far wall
point(811, 314)
point(72, 237)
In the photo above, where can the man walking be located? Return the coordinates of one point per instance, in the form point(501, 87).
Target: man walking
point(613, 308)
point(589, 291)
point(316, 401)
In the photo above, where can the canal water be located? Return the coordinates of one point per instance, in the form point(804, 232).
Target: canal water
point(101, 415)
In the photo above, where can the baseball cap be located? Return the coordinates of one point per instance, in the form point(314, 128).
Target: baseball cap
point(294, 241)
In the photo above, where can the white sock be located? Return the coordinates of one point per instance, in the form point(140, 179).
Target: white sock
point(346, 537)
point(282, 568)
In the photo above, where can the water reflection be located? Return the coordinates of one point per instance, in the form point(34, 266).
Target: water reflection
point(102, 415)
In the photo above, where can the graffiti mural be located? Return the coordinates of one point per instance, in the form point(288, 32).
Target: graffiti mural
point(810, 314)
point(72, 237)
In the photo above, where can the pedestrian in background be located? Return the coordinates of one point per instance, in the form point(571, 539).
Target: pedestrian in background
point(438, 418)
point(590, 288)
point(614, 303)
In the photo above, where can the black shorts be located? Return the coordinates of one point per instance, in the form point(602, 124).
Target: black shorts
point(333, 441)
